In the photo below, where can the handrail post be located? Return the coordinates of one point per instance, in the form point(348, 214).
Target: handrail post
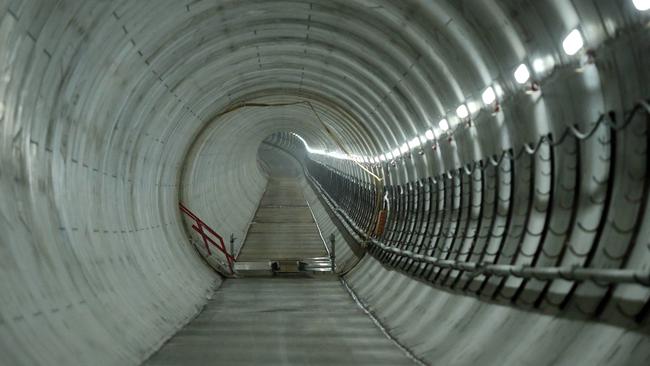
point(232, 244)
point(332, 251)
point(199, 227)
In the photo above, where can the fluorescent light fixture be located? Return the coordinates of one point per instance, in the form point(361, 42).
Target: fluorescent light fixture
point(522, 74)
point(539, 65)
point(390, 155)
point(573, 42)
point(462, 111)
point(404, 148)
point(489, 96)
point(415, 142)
point(443, 124)
point(429, 134)
point(396, 152)
point(641, 5)
point(382, 157)
point(333, 154)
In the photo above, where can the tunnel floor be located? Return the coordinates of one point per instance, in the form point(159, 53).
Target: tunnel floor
point(283, 227)
point(294, 319)
point(281, 321)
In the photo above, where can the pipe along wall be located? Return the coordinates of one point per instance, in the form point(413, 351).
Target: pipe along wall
point(111, 113)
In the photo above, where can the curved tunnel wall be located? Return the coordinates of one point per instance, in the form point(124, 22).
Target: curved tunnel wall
point(111, 112)
point(222, 182)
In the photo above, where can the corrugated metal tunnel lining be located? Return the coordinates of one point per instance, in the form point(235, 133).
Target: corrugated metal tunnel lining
point(113, 112)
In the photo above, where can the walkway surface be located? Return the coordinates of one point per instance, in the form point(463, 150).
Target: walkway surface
point(281, 321)
point(284, 320)
point(283, 227)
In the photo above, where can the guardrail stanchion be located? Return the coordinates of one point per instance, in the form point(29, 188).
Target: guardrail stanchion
point(332, 252)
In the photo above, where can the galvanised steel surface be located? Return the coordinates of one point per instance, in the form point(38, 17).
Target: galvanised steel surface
point(111, 112)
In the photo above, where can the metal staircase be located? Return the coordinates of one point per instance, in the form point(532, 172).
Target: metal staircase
point(316, 265)
point(283, 237)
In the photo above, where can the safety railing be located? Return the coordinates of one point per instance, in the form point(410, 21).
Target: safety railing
point(494, 226)
point(207, 234)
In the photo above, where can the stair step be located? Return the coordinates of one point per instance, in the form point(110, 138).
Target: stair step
point(253, 266)
point(269, 267)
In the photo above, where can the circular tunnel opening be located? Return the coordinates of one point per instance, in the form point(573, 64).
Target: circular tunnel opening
point(508, 140)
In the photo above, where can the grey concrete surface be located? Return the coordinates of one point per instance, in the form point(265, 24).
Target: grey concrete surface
point(430, 321)
point(281, 321)
point(283, 226)
point(276, 161)
point(111, 112)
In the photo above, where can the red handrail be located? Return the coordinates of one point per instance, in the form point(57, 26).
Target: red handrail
point(199, 226)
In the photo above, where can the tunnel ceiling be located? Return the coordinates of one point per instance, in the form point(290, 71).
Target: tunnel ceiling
point(381, 72)
point(111, 112)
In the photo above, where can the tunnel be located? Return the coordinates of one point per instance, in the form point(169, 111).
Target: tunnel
point(324, 182)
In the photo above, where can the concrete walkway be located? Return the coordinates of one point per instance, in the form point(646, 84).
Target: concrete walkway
point(289, 320)
point(281, 321)
point(283, 227)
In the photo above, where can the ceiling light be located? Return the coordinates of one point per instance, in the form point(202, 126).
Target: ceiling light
point(396, 152)
point(390, 155)
point(573, 42)
point(382, 157)
point(341, 155)
point(443, 124)
point(462, 111)
point(489, 96)
point(404, 148)
point(415, 142)
point(429, 134)
point(641, 5)
point(539, 65)
point(522, 74)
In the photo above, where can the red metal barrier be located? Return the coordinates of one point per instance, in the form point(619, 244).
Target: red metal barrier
point(199, 227)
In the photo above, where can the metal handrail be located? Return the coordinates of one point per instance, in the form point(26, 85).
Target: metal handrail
point(207, 240)
point(599, 276)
